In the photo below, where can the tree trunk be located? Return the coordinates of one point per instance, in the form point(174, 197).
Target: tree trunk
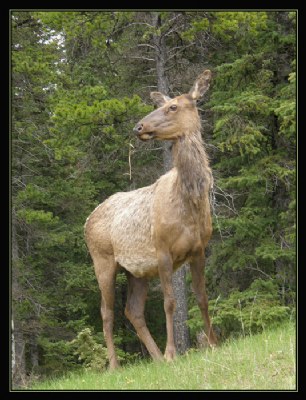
point(13, 346)
point(34, 353)
point(181, 332)
point(162, 81)
point(19, 366)
point(18, 342)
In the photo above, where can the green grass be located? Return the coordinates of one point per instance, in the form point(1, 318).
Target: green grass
point(259, 362)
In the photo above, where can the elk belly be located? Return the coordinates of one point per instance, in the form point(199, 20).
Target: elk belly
point(131, 233)
point(139, 265)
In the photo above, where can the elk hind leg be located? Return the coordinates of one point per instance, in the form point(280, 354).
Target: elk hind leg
point(134, 311)
point(105, 269)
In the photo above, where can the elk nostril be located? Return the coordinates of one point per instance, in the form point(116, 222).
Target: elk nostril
point(138, 128)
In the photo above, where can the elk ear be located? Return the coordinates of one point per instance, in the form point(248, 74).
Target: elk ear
point(201, 85)
point(159, 99)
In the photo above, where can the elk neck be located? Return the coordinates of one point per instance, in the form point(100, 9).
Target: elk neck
point(194, 174)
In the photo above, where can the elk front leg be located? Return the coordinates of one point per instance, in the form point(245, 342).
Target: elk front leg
point(165, 269)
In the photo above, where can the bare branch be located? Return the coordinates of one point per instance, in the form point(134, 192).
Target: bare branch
point(146, 45)
point(176, 16)
point(228, 197)
point(179, 51)
point(173, 30)
point(259, 270)
point(140, 58)
point(139, 23)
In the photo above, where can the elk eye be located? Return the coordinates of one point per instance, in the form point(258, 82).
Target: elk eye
point(173, 107)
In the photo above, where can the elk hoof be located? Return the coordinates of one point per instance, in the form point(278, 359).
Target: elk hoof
point(170, 354)
point(212, 341)
point(114, 364)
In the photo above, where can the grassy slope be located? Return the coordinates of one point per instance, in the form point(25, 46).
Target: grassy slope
point(259, 362)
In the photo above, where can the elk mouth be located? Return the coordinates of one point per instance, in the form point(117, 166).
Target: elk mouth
point(146, 135)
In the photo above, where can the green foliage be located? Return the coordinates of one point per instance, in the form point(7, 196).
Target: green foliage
point(253, 101)
point(237, 24)
point(285, 108)
point(57, 358)
point(244, 313)
point(93, 355)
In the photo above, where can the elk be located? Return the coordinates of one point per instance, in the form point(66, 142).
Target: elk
point(153, 230)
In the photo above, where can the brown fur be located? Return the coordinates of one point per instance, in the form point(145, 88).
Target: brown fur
point(154, 230)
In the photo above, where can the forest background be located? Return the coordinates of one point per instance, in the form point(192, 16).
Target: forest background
point(80, 80)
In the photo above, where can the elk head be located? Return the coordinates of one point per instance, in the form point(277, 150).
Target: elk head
point(174, 117)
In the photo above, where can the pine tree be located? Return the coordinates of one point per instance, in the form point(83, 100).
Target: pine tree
point(253, 103)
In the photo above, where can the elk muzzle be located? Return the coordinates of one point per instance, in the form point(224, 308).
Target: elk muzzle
point(141, 133)
point(138, 128)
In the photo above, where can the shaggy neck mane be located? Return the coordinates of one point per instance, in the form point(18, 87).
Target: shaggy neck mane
point(194, 173)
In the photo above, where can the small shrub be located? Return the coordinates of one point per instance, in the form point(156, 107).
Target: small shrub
point(57, 357)
point(246, 312)
point(91, 354)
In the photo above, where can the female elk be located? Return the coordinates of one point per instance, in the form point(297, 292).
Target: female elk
point(152, 231)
